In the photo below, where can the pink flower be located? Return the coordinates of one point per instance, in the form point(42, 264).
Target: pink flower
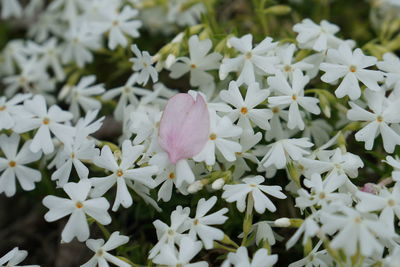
point(184, 126)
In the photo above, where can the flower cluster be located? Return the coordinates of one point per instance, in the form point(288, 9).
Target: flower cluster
point(273, 134)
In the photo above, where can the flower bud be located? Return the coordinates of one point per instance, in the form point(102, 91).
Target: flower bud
point(195, 187)
point(171, 59)
point(282, 222)
point(369, 188)
point(218, 184)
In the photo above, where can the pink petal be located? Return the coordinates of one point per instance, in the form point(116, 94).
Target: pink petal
point(184, 127)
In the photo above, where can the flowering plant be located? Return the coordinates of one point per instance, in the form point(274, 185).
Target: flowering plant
point(200, 133)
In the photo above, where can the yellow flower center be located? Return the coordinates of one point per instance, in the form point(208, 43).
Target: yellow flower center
point(46, 121)
point(244, 110)
point(2, 108)
point(248, 55)
point(213, 136)
point(100, 253)
point(79, 205)
point(171, 175)
point(353, 68)
point(120, 173)
point(12, 164)
point(287, 68)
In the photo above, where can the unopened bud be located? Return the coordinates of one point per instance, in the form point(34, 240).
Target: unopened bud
point(369, 188)
point(171, 59)
point(278, 10)
point(218, 184)
point(195, 187)
point(282, 222)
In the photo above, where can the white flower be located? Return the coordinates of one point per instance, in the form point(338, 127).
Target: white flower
point(314, 259)
point(72, 155)
point(79, 43)
point(144, 123)
point(117, 23)
point(263, 233)
point(12, 55)
point(200, 223)
point(248, 140)
point(221, 131)
point(391, 65)
point(388, 203)
point(383, 113)
point(49, 54)
point(183, 15)
point(46, 121)
point(81, 148)
point(253, 185)
point(355, 230)
point(32, 78)
point(143, 64)
point(82, 95)
point(10, 8)
point(335, 162)
point(309, 228)
point(251, 61)
point(127, 94)
point(321, 192)
point(13, 167)
point(198, 64)
point(278, 124)
point(102, 256)
point(285, 54)
point(317, 37)
point(169, 174)
point(394, 162)
point(170, 235)
point(69, 8)
point(285, 149)
point(393, 258)
point(351, 66)
point(188, 249)
point(15, 257)
point(245, 109)
point(293, 96)
point(121, 172)
point(318, 130)
point(10, 110)
point(241, 258)
point(78, 206)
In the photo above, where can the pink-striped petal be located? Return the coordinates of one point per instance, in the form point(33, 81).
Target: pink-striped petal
point(184, 126)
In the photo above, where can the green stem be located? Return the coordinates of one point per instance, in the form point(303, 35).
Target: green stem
point(220, 246)
point(211, 16)
point(228, 241)
point(105, 232)
point(259, 6)
point(248, 219)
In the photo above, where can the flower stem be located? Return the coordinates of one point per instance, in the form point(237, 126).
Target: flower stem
point(248, 219)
